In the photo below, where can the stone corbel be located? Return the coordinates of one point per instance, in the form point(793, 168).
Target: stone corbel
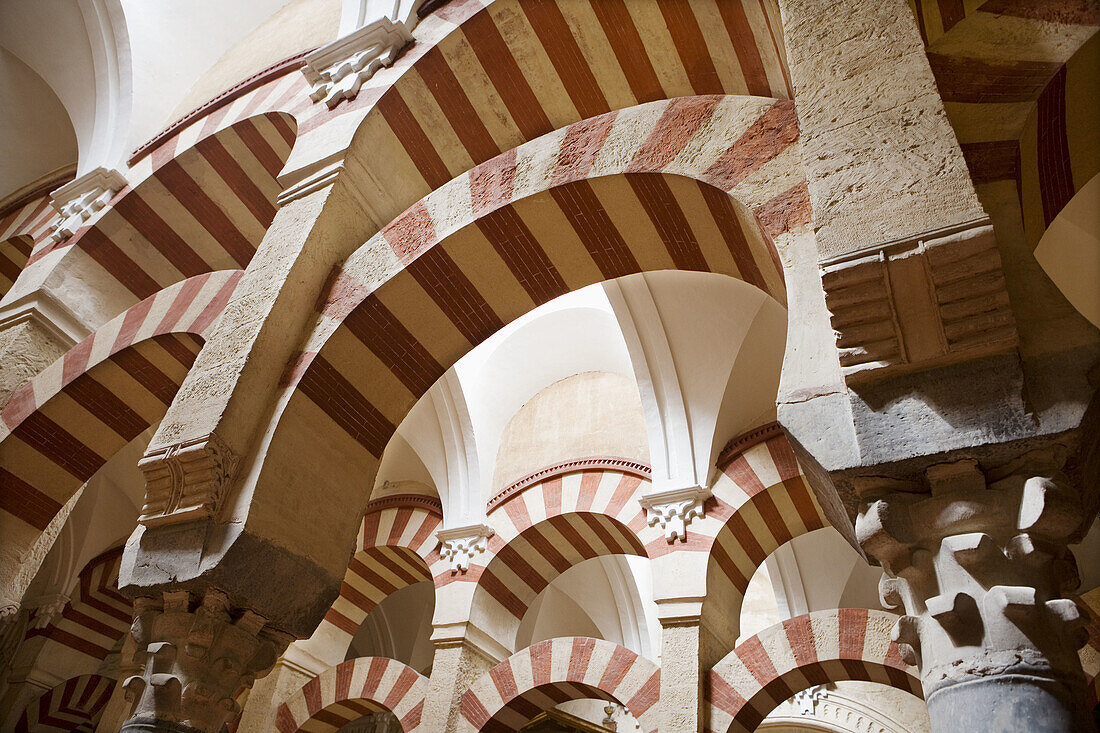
point(337, 71)
point(186, 481)
point(79, 200)
point(462, 544)
point(928, 300)
point(673, 510)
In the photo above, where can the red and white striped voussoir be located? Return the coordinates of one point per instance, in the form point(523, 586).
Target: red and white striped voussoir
point(597, 485)
point(190, 306)
point(814, 648)
point(97, 615)
point(712, 139)
point(33, 219)
point(592, 664)
point(352, 689)
point(762, 501)
point(74, 705)
point(396, 547)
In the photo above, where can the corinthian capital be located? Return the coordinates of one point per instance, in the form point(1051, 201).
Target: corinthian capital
point(979, 564)
point(195, 655)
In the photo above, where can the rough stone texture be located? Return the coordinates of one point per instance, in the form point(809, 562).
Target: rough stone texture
point(880, 155)
point(25, 349)
point(454, 669)
point(681, 678)
point(267, 694)
point(227, 393)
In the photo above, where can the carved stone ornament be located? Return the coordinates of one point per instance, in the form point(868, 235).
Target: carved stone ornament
point(78, 200)
point(186, 481)
point(47, 609)
point(980, 567)
point(337, 71)
point(195, 656)
point(673, 510)
point(932, 299)
point(460, 545)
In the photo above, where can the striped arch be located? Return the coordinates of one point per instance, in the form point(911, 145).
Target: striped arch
point(74, 706)
point(488, 75)
point(516, 570)
point(811, 649)
point(598, 485)
point(763, 501)
point(61, 427)
point(1019, 103)
point(185, 213)
point(95, 618)
point(1089, 603)
point(32, 217)
point(14, 252)
point(396, 548)
point(551, 672)
point(472, 261)
point(351, 690)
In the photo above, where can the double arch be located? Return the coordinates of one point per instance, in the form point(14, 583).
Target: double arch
point(396, 548)
point(445, 288)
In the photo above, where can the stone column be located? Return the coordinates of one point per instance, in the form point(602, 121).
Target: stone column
point(979, 564)
point(457, 664)
point(682, 666)
point(196, 654)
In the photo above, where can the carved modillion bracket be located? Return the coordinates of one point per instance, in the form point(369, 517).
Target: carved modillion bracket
point(338, 71)
point(932, 299)
point(79, 200)
point(186, 481)
point(460, 545)
point(673, 510)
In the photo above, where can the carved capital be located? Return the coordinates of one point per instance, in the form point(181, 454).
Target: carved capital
point(47, 609)
point(673, 510)
point(337, 71)
point(78, 200)
point(460, 545)
point(186, 481)
point(928, 300)
point(978, 562)
point(194, 656)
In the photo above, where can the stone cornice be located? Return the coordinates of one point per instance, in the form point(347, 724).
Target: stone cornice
point(337, 71)
point(747, 440)
point(674, 509)
point(462, 544)
point(605, 463)
point(279, 68)
point(417, 501)
point(46, 311)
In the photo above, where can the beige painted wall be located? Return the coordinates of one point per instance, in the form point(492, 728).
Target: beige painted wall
point(588, 414)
